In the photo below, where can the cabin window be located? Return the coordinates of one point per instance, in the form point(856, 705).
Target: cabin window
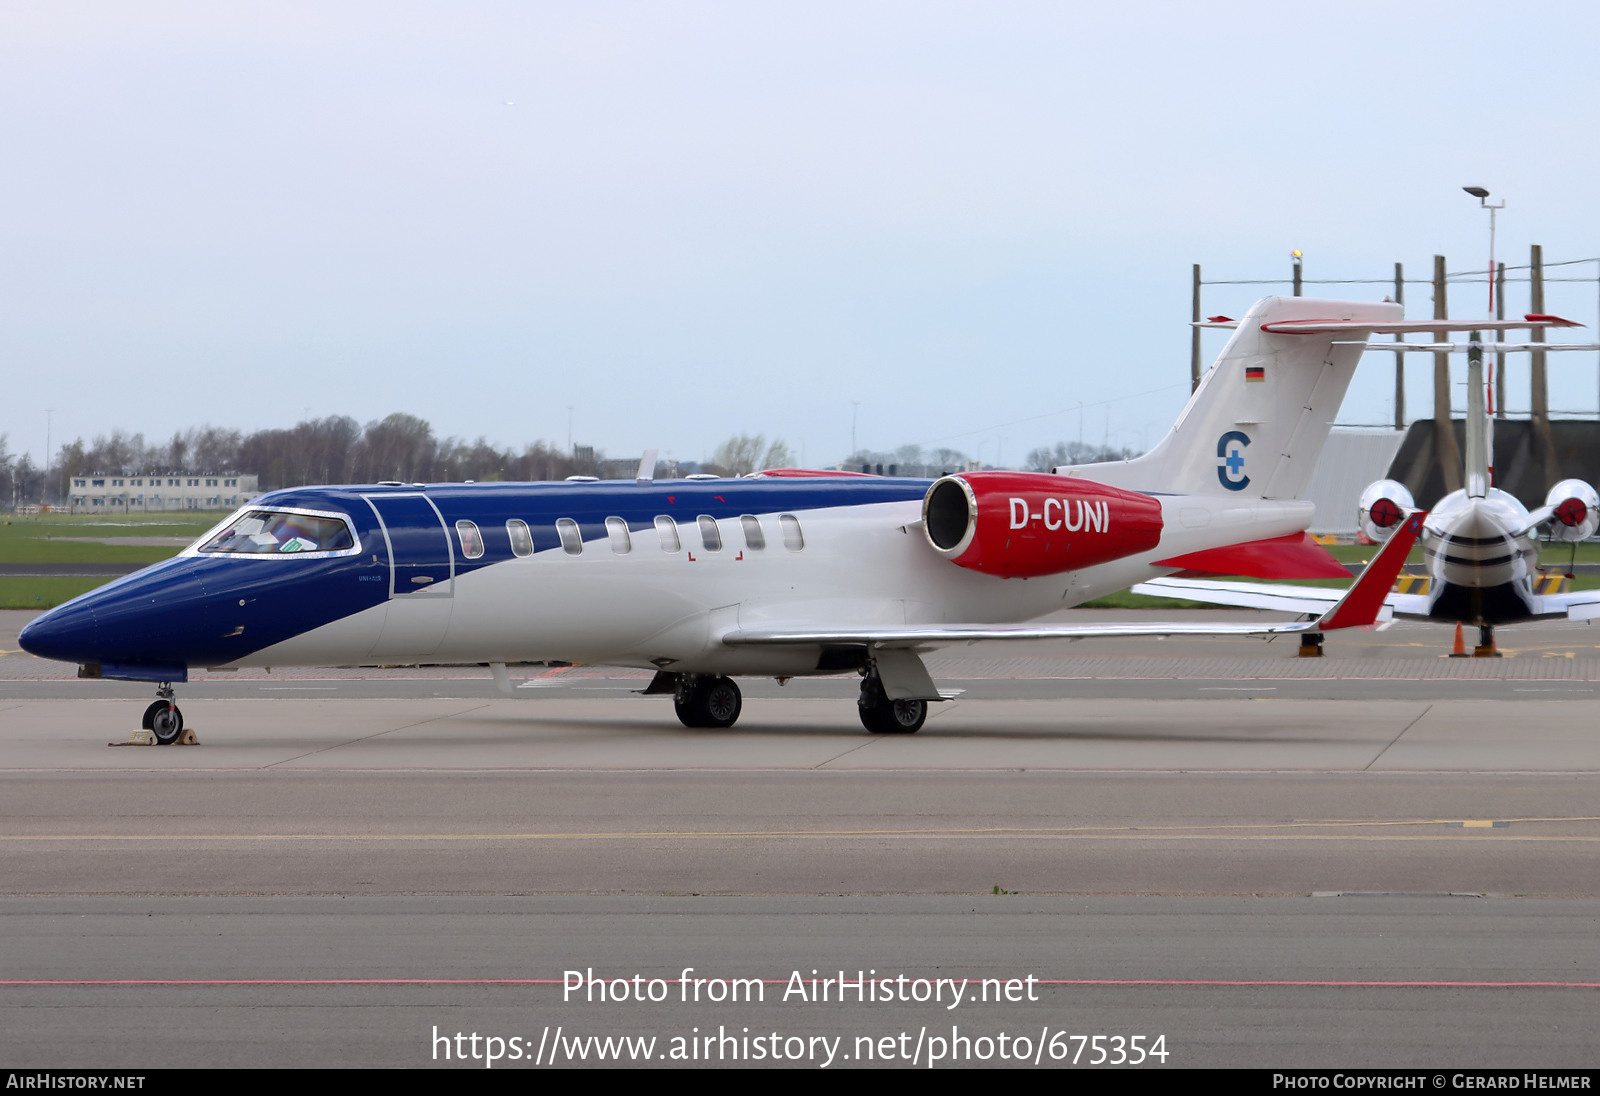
point(471, 539)
point(521, 538)
point(571, 539)
point(754, 539)
point(667, 533)
point(617, 532)
point(710, 535)
point(272, 532)
point(793, 538)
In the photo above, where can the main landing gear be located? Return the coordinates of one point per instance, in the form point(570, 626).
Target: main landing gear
point(163, 719)
point(704, 701)
point(880, 715)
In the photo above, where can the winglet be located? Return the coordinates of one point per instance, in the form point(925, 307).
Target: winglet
point(1359, 607)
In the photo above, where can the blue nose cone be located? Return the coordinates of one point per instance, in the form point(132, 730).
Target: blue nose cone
point(66, 634)
point(143, 619)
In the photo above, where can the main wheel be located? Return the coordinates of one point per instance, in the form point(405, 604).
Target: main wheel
point(686, 700)
point(714, 703)
point(720, 703)
point(150, 713)
point(894, 716)
point(166, 722)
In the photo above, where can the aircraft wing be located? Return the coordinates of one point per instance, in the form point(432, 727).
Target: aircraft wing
point(1281, 596)
point(933, 635)
point(1284, 597)
point(1362, 604)
point(1574, 604)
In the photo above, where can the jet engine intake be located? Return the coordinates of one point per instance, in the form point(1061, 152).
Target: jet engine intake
point(1577, 510)
point(1025, 524)
point(1382, 507)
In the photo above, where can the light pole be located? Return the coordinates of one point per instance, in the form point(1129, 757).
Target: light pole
point(1483, 199)
point(1482, 195)
point(49, 414)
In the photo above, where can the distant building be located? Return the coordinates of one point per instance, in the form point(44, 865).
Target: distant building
point(144, 494)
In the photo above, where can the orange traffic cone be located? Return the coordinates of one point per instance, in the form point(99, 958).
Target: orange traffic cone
point(1460, 650)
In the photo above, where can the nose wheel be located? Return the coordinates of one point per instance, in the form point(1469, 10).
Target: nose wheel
point(162, 718)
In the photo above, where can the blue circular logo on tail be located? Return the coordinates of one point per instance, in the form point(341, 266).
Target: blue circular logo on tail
point(1230, 460)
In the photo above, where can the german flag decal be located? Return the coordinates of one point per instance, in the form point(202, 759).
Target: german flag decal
point(1255, 373)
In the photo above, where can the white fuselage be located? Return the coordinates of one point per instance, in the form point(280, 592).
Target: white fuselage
point(860, 566)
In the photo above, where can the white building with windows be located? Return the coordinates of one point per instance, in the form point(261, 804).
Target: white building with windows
point(100, 494)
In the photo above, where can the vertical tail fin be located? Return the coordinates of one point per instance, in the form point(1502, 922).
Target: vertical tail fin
point(1257, 423)
point(1479, 448)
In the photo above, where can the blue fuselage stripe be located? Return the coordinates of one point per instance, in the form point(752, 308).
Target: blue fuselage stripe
point(212, 610)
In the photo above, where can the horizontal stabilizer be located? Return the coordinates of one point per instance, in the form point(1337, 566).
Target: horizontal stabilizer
point(1411, 327)
point(1462, 348)
point(1293, 556)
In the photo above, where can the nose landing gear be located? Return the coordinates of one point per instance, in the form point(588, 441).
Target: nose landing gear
point(162, 718)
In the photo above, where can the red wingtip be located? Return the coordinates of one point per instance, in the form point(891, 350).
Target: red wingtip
point(1360, 606)
point(1556, 321)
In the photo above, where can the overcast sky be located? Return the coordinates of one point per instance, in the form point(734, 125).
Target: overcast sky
point(684, 220)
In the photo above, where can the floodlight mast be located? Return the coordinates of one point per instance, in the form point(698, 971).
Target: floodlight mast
point(1482, 195)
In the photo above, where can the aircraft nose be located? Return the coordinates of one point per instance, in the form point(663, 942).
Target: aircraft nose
point(66, 634)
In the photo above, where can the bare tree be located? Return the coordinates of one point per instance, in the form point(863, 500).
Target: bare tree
point(742, 454)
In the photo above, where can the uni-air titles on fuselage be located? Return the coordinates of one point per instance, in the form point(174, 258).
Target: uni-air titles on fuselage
point(1026, 524)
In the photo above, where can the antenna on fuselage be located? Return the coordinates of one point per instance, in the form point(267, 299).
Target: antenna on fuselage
point(647, 469)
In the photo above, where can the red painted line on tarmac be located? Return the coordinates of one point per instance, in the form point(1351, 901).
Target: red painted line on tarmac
point(1321, 983)
point(1243, 983)
point(281, 982)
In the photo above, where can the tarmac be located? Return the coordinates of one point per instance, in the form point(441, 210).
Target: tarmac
point(1382, 858)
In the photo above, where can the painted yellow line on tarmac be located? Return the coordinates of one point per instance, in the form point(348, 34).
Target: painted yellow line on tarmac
point(1224, 829)
point(963, 834)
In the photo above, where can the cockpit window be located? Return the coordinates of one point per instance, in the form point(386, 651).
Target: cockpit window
point(271, 532)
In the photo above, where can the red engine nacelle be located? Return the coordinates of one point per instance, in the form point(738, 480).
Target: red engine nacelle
point(1577, 510)
point(1023, 524)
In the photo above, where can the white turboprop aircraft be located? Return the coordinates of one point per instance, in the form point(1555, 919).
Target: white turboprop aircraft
point(1481, 543)
point(786, 574)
